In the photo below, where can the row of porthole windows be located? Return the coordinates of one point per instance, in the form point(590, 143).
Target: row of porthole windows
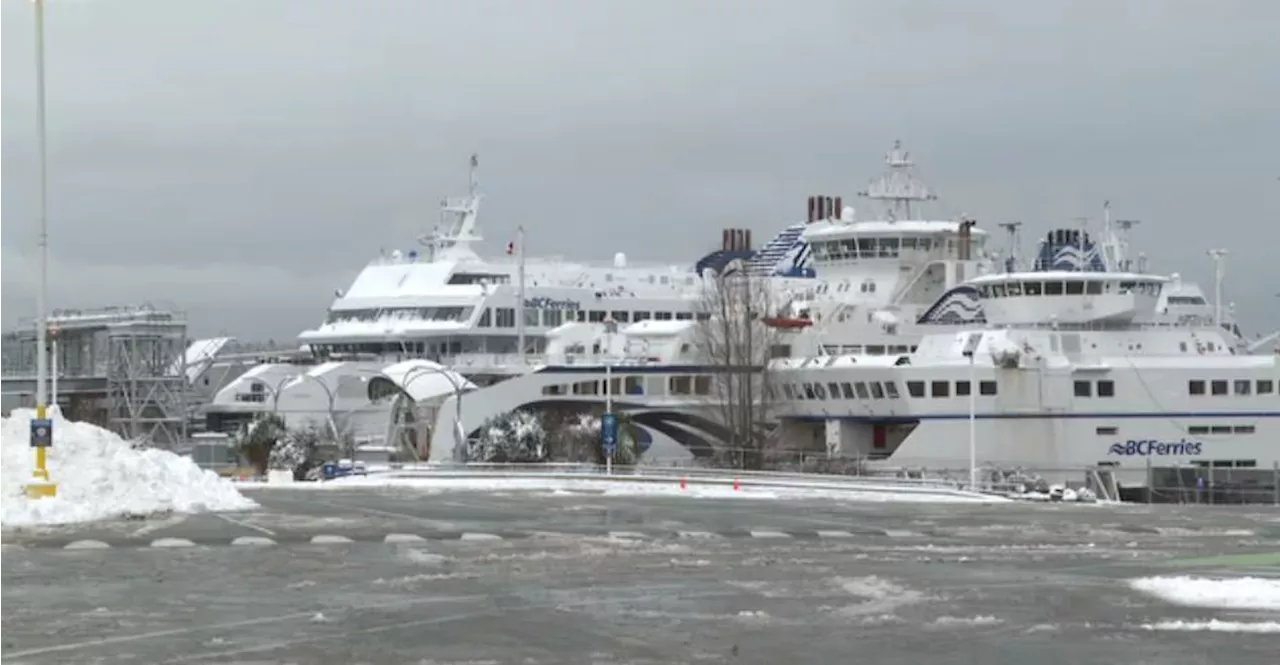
point(697, 384)
point(882, 390)
point(1220, 387)
point(1194, 430)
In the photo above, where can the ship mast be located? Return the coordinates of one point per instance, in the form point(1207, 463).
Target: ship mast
point(458, 221)
point(898, 187)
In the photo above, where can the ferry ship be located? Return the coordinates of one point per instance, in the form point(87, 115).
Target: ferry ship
point(1072, 370)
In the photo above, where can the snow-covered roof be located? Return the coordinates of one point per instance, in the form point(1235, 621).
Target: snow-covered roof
point(819, 230)
point(193, 361)
point(423, 380)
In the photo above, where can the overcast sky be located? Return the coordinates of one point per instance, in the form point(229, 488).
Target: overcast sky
point(241, 159)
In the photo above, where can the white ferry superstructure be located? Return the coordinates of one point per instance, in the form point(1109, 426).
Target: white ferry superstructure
point(1072, 370)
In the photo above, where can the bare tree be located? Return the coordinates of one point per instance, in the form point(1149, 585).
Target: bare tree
point(731, 337)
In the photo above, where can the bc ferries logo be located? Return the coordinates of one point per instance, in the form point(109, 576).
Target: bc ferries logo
point(1148, 447)
point(551, 303)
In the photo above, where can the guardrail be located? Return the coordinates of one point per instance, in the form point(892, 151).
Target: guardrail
point(693, 476)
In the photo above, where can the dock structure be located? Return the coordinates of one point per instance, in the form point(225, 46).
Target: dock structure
point(122, 368)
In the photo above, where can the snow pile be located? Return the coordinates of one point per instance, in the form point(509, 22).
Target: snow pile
point(99, 476)
point(1005, 352)
point(1216, 626)
point(1236, 593)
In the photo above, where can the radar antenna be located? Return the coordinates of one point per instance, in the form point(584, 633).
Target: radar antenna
point(898, 186)
point(1015, 244)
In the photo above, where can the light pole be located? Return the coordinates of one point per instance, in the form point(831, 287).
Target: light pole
point(415, 373)
point(970, 350)
point(609, 421)
point(42, 428)
point(328, 392)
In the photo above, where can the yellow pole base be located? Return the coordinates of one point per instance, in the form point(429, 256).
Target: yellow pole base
point(41, 490)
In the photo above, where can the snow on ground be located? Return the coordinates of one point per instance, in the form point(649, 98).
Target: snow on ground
point(622, 487)
point(1231, 593)
point(99, 476)
point(1216, 626)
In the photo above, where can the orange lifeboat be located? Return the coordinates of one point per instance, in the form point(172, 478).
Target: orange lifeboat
point(787, 322)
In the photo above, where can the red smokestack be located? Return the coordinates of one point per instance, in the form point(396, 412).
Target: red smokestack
point(813, 209)
point(839, 211)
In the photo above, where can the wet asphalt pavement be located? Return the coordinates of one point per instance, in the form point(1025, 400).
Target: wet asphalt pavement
point(403, 576)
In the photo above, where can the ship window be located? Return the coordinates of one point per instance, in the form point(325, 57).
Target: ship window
point(680, 385)
point(1093, 288)
point(1014, 289)
point(1053, 288)
point(997, 290)
point(1083, 389)
point(1197, 429)
point(1246, 463)
point(1265, 387)
point(1195, 387)
point(662, 316)
point(834, 389)
point(1220, 429)
point(941, 389)
point(530, 317)
point(877, 391)
point(620, 317)
point(1107, 431)
point(915, 388)
point(1106, 388)
point(688, 316)
point(632, 386)
point(504, 317)
point(962, 388)
point(1182, 346)
point(553, 390)
point(888, 247)
point(891, 389)
point(1218, 387)
point(846, 390)
point(1242, 386)
point(987, 388)
point(908, 244)
point(788, 391)
point(552, 317)
point(866, 247)
point(596, 316)
point(1031, 288)
point(641, 316)
point(1244, 429)
point(819, 391)
point(702, 385)
point(1075, 288)
point(860, 389)
point(808, 391)
point(485, 319)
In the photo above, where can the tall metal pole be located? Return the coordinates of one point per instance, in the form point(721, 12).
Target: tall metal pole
point(973, 425)
point(520, 294)
point(1218, 255)
point(42, 435)
point(608, 408)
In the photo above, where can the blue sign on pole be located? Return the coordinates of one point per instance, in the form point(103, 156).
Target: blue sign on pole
point(41, 433)
point(609, 432)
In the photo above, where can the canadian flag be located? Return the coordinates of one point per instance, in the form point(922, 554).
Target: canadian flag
point(511, 247)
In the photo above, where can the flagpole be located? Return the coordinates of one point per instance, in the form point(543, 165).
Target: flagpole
point(520, 294)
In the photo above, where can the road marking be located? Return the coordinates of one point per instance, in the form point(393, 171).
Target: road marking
point(696, 534)
point(834, 534)
point(769, 534)
point(246, 525)
point(253, 540)
point(329, 539)
point(86, 545)
point(480, 536)
point(158, 524)
point(627, 535)
point(172, 542)
point(900, 533)
point(403, 538)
